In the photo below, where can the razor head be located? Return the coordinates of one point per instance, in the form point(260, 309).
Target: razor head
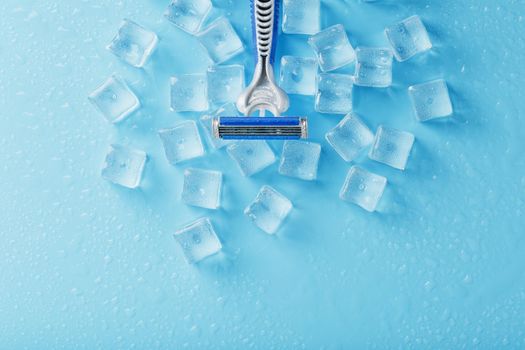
point(260, 128)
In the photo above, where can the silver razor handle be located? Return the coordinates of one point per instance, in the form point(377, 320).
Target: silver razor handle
point(263, 93)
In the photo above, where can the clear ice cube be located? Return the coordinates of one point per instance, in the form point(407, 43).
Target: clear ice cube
point(188, 15)
point(115, 100)
point(202, 188)
point(198, 240)
point(251, 156)
point(334, 93)
point(189, 93)
point(391, 147)
point(300, 159)
point(221, 40)
point(228, 110)
point(124, 166)
point(182, 142)
point(225, 84)
point(332, 47)
point(350, 137)
point(408, 38)
point(363, 188)
point(133, 43)
point(301, 16)
point(269, 209)
point(373, 67)
point(431, 100)
point(298, 75)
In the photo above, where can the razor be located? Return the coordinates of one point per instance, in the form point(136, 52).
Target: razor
point(263, 94)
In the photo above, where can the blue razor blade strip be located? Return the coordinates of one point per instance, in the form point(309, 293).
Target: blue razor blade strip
point(259, 121)
point(247, 137)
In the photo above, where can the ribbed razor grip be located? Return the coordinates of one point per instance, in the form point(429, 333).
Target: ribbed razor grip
point(265, 19)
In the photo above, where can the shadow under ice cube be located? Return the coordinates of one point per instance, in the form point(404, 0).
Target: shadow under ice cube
point(269, 209)
point(349, 137)
point(363, 188)
point(431, 100)
point(182, 142)
point(188, 15)
point(392, 147)
point(124, 166)
point(198, 240)
point(133, 43)
point(300, 159)
point(115, 100)
point(202, 188)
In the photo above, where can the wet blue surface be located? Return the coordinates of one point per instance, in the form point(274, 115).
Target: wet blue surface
point(84, 264)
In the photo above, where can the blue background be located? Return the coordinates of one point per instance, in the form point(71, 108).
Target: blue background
point(85, 264)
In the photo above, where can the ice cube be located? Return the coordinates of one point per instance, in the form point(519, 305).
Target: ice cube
point(228, 110)
point(373, 67)
point(332, 47)
point(408, 38)
point(115, 100)
point(269, 209)
point(301, 16)
point(221, 40)
point(363, 188)
point(334, 93)
point(298, 75)
point(350, 137)
point(431, 100)
point(133, 43)
point(202, 188)
point(198, 240)
point(188, 15)
point(300, 159)
point(251, 156)
point(391, 147)
point(225, 84)
point(182, 142)
point(124, 166)
point(189, 93)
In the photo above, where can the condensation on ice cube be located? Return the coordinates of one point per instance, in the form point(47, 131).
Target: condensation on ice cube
point(202, 188)
point(189, 93)
point(301, 16)
point(225, 84)
point(373, 67)
point(332, 47)
point(334, 93)
point(269, 209)
point(251, 156)
point(182, 142)
point(350, 137)
point(115, 100)
point(198, 240)
point(133, 43)
point(228, 110)
point(221, 40)
point(300, 159)
point(431, 100)
point(124, 166)
point(363, 188)
point(188, 15)
point(298, 75)
point(408, 38)
point(391, 147)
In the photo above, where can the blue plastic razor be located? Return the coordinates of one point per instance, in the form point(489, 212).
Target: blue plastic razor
point(262, 94)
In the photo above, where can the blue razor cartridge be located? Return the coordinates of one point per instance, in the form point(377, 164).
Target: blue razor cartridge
point(256, 128)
